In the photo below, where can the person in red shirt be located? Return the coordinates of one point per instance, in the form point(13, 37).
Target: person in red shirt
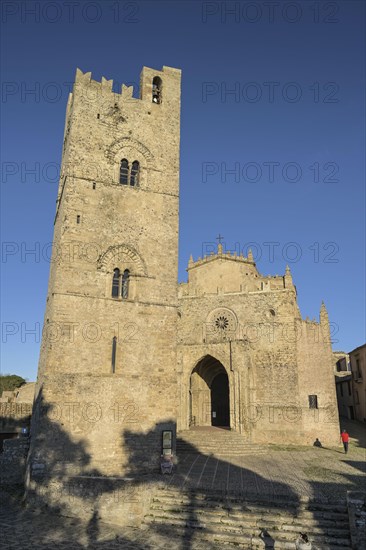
point(345, 440)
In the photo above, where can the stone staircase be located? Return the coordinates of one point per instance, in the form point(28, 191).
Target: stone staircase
point(210, 519)
point(216, 441)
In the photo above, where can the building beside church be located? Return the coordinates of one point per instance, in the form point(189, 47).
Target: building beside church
point(358, 368)
point(127, 352)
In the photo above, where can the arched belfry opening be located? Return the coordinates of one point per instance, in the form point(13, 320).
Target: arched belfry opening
point(209, 394)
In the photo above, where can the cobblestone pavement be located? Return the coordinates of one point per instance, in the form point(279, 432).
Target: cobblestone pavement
point(23, 530)
point(301, 471)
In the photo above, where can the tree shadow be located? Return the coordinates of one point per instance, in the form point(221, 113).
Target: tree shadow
point(188, 482)
point(53, 461)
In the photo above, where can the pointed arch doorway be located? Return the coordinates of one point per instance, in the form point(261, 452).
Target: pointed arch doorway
point(209, 394)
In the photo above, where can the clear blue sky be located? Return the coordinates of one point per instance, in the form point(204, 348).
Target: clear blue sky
point(294, 131)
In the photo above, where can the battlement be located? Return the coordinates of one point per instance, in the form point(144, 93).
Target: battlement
point(84, 80)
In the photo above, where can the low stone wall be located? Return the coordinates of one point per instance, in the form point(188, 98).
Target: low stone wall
point(356, 503)
point(13, 461)
point(120, 501)
point(14, 417)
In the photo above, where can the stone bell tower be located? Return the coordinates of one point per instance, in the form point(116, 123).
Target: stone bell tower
point(107, 380)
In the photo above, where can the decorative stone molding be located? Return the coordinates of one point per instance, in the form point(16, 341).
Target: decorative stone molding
point(115, 149)
point(122, 254)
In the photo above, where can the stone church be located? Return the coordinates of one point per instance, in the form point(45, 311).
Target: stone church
point(128, 353)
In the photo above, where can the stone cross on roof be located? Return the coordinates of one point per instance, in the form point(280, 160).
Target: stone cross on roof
point(219, 246)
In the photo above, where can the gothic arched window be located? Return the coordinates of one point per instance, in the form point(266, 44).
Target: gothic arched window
point(115, 283)
point(157, 89)
point(123, 172)
point(135, 169)
point(125, 283)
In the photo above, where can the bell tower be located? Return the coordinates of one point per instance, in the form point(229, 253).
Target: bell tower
point(107, 372)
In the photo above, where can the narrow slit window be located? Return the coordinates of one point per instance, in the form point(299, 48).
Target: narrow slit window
point(114, 353)
point(135, 170)
point(115, 283)
point(123, 172)
point(94, 185)
point(78, 219)
point(313, 401)
point(125, 283)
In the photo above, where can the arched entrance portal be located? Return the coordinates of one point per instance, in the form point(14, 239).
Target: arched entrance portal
point(209, 394)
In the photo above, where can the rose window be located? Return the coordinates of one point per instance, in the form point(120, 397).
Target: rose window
point(222, 322)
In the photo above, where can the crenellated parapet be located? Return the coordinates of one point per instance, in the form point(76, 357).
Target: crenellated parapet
point(84, 81)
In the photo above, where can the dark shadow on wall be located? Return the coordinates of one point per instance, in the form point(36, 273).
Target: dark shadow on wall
point(53, 460)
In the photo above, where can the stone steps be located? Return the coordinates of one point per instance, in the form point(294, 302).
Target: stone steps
point(303, 504)
point(247, 517)
point(236, 521)
point(253, 525)
point(218, 443)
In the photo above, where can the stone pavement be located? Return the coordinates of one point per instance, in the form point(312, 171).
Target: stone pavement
point(292, 472)
point(277, 471)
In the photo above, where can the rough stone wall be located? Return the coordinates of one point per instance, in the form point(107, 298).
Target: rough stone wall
point(25, 393)
point(87, 418)
point(14, 416)
point(316, 377)
point(356, 504)
point(13, 461)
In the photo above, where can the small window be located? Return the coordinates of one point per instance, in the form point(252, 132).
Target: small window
point(94, 185)
point(78, 219)
point(125, 283)
point(98, 115)
point(115, 283)
point(349, 387)
point(156, 90)
point(357, 399)
point(123, 172)
point(313, 401)
point(135, 169)
point(114, 353)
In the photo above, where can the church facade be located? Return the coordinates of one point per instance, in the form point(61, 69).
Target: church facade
point(128, 353)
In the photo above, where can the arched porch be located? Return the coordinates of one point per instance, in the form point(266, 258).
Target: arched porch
point(209, 394)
